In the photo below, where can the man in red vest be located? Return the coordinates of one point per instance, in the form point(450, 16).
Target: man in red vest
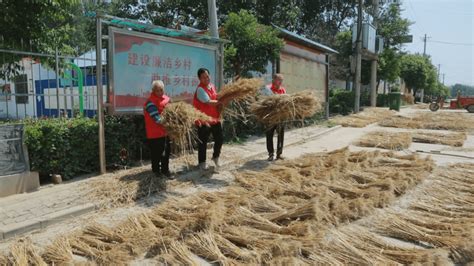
point(275, 88)
point(205, 100)
point(156, 134)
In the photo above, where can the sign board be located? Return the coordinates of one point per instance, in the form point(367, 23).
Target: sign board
point(406, 39)
point(138, 58)
point(13, 155)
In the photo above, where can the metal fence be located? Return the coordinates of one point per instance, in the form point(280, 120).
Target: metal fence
point(49, 85)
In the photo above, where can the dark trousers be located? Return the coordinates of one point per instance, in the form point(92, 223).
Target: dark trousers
point(281, 134)
point(203, 134)
point(160, 154)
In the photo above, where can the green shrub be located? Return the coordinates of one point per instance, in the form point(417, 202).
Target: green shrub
point(341, 101)
point(70, 146)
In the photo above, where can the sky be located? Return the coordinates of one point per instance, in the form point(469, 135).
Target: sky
point(449, 25)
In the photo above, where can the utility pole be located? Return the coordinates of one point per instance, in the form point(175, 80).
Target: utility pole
point(211, 5)
point(443, 77)
point(439, 70)
point(100, 96)
point(214, 30)
point(425, 39)
point(373, 65)
point(358, 58)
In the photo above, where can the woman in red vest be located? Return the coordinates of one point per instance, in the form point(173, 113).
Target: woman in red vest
point(205, 100)
point(275, 88)
point(156, 134)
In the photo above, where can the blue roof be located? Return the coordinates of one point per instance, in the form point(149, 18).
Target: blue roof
point(305, 41)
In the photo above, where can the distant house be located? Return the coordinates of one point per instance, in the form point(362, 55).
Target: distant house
point(33, 93)
point(304, 64)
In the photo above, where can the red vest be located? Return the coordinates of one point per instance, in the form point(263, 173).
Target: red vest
point(281, 90)
point(210, 110)
point(153, 129)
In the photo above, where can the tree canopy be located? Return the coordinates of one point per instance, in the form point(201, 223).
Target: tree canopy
point(419, 73)
point(252, 45)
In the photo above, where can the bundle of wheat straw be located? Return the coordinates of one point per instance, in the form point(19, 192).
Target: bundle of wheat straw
point(451, 139)
point(386, 140)
point(180, 255)
point(438, 121)
point(59, 252)
point(3, 260)
point(125, 187)
point(241, 89)
point(276, 109)
point(204, 245)
point(364, 118)
point(179, 119)
point(24, 253)
point(409, 98)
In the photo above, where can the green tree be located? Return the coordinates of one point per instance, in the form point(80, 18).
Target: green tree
point(465, 90)
point(392, 27)
point(419, 73)
point(252, 44)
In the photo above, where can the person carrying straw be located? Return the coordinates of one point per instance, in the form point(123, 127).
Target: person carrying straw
point(275, 88)
point(205, 100)
point(157, 137)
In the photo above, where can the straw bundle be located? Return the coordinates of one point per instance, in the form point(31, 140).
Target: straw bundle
point(451, 139)
point(439, 121)
point(276, 109)
point(179, 254)
point(421, 106)
point(362, 119)
point(59, 252)
point(386, 140)
point(204, 244)
point(357, 241)
point(124, 188)
point(239, 90)
point(179, 119)
point(3, 260)
point(24, 253)
point(409, 98)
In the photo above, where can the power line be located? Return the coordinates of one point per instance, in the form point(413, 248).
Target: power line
point(452, 43)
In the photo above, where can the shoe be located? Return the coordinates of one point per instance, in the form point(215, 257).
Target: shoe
point(279, 157)
point(216, 163)
point(203, 166)
point(167, 174)
point(270, 158)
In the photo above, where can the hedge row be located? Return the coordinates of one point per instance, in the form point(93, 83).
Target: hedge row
point(342, 101)
point(70, 146)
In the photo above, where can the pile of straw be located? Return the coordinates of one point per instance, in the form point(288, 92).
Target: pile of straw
point(439, 121)
point(24, 252)
point(386, 140)
point(179, 120)
point(365, 118)
point(441, 216)
point(239, 90)
point(409, 98)
point(455, 139)
point(276, 109)
point(277, 215)
point(113, 190)
point(421, 106)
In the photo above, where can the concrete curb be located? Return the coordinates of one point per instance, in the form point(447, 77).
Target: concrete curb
point(14, 230)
